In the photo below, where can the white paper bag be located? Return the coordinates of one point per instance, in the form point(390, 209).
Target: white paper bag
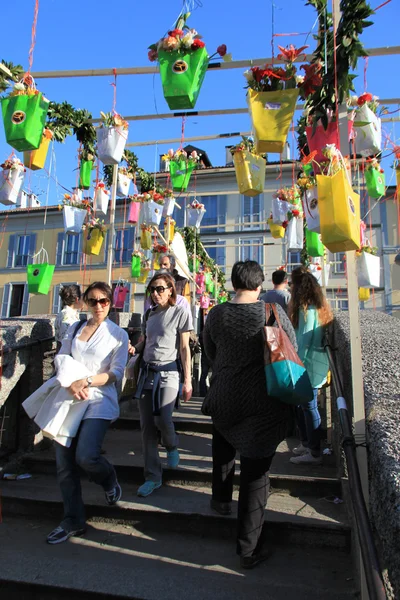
point(73, 219)
point(368, 138)
point(294, 234)
point(311, 210)
point(123, 183)
point(168, 208)
point(279, 211)
point(315, 269)
point(111, 144)
point(11, 181)
point(152, 213)
point(101, 200)
point(194, 216)
point(368, 270)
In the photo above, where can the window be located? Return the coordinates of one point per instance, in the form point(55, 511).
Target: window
point(57, 304)
point(22, 251)
point(293, 261)
point(339, 262)
point(123, 245)
point(338, 299)
point(15, 301)
point(251, 212)
point(251, 249)
point(71, 249)
point(215, 213)
point(216, 250)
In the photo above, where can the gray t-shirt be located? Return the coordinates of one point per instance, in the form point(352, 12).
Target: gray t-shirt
point(162, 333)
point(281, 297)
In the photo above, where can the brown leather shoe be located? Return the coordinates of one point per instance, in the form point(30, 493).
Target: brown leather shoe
point(223, 508)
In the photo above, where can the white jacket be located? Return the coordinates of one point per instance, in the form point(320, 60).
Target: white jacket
point(53, 408)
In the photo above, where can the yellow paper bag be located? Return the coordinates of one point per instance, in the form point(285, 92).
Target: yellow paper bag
point(156, 261)
point(363, 294)
point(144, 273)
point(36, 159)
point(250, 173)
point(271, 114)
point(145, 239)
point(93, 242)
point(339, 210)
point(277, 231)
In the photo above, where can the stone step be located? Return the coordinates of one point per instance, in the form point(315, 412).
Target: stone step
point(123, 448)
point(119, 561)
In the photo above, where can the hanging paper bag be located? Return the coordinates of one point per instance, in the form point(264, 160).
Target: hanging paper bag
point(152, 213)
point(36, 159)
point(271, 114)
point(279, 211)
point(123, 183)
point(145, 239)
point(119, 295)
point(375, 182)
point(156, 261)
point(135, 266)
point(210, 287)
point(168, 208)
point(323, 137)
point(144, 273)
point(311, 210)
point(111, 144)
point(85, 174)
point(314, 246)
point(93, 241)
point(316, 270)
point(180, 173)
point(73, 219)
point(204, 301)
point(193, 267)
point(294, 234)
point(134, 212)
point(169, 229)
point(368, 132)
point(277, 231)
point(24, 118)
point(222, 298)
point(364, 294)
point(11, 181)
point(368, 270)
point(182, 76)
point(101, 199)
point(40, 274)
point(250, 173)
point(200, 283)
point(195, 216)
point(339, 210)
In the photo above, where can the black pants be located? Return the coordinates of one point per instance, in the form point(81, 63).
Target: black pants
point(205, 367)
point(253, 491)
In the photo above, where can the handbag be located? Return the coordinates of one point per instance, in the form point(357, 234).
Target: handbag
point(286, 376)
point(132, 369)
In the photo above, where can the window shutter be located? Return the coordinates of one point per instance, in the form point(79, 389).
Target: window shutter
point(6, 299)
point(11, 250)
point(256, 209)
point(246, 203)
point(60, 248)
point(32, 247)
point(221, 210)
point(56, 300)
point(25, 302)
point(127, 303)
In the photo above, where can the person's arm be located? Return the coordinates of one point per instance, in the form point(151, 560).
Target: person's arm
point(186, 361)
point(208, 344)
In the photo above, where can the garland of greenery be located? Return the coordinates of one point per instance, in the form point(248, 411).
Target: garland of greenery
point(131, 161)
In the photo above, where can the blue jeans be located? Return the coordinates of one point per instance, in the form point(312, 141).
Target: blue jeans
point(309, 423)
point(84, 452)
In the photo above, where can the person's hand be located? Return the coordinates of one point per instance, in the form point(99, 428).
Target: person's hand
point(187, 391)
point(131, 349)
point(79, 389)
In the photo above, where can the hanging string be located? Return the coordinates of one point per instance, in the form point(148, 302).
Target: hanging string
point(366, 59)
point(182, 132)
point(48, 191)
point(155, 165)
point(33, 37)
point(114, 84)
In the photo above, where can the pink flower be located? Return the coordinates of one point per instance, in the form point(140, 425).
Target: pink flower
point(222, 50)
point(194, 154)
point(170, 43)
point(152, 54)
point(170, 153)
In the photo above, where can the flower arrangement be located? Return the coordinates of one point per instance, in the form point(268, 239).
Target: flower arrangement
point(25, 87)
point(126, 171)
point(372, 164)
point(145, 227)
point(136, 198)
point(101, 186)
point(12, 163)
point(169, 193)
point(196, 205)
point(335, 161)
point(367, 99)
point(306, 181)
point(148, 196)
point(76, 202)
point(113, 119)
point(289, 194)
point(180, 155)
point(138, 253)
point(159, 248)
point(368, 249)
point(94, 223)
point(247, 144)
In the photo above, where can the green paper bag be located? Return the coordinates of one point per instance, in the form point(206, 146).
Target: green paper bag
point(180, 174)
point(135, 266)
point(24, 118)
point(314, 245)
point(190, 265)
point(85, 174)
point(375, 182)
point(39, 278)
point(210, 287)
point(182, 76)
point(209, 277)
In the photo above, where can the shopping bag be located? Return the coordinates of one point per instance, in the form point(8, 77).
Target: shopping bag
point(311, 210)
point(250, 173)
point(11, 181)
point(24, 118)
point(119, 296)
point(375, 182)
point(180, 173)
point(195, 216)
point(368, 132)
point(368, 270)
point(134, 212)
point(295, 234)
point(145, 239)
point(364, 294)
point(182, 76)
point(135, 266)
point(277, 231)
point(314, 246)
point(36, 159)
point(279, 211)
point(101, 199)
point(152, 213)
point(319, 138)
point(73, 219)
point(123, 183)
point(39, 278)
point(93, 241)
point(111, 144)
point(168, 208)
point(286, 376)
point(85, 174)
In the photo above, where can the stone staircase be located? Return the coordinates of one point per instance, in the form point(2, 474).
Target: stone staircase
point(171, 545)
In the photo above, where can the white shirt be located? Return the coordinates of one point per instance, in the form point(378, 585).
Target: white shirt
point(68, 316)
point(105, 351)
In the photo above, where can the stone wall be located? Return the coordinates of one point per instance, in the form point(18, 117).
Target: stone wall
point(381, 371)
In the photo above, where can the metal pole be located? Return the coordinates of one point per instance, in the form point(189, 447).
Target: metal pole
point(111, 231)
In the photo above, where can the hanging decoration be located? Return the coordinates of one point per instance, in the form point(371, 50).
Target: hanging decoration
point(145, 268)
point(112, 136)
point(277, 231)
point(120, 293)
point(94, 233)
point(40, 273)
point(145, 237)
point(249, 168)
point(374, 178)
point(101, 198)
point(367, 124)
point(368, 267)
point(364, 294)
point(86, 166)
point(314, 246)
point(169, 228)
point(134, 209)
point(315, 268)
point(158, 250)
point(152, 207)
point(222, 297)
point(308, 186)
point(183, 61)
point(137, 258)
point(205, 300)
point(181, 166)
point(36, 159)
point(169, 203)
point(124, 179)
point(11, 180)
point(74, 213)
point(200, 280)
point(319, 137)
point(195, 212)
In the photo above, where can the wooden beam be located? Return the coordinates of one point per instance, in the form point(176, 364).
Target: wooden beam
point(199, 138)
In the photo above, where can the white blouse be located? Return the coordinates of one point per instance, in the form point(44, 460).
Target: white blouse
point(64, 319)
point(105, 351)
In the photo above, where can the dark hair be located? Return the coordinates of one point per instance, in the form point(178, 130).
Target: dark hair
point(279, 277)
point(306, 291)
point(70, 294)
point(170, 282)
point(99, 285)
point(247, 275)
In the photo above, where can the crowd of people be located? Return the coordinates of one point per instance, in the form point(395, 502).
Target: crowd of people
point(245, 419)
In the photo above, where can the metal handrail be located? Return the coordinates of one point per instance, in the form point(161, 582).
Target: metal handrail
point(369, 554)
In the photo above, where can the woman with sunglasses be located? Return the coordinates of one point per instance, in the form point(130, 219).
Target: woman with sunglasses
point(102, 347)
point(166, 328)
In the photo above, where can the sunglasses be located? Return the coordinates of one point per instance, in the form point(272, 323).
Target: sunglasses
point(160, 289)
point(92, 302)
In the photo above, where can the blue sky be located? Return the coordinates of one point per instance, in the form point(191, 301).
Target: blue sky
point(100, 34)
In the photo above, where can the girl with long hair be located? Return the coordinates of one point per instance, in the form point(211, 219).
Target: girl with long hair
point(309, 313)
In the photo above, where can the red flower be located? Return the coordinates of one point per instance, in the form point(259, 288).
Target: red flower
point(364, 98)
point(290, 53)
point(312, 78)
point(152, 54)
point(295, 212)
point(285, 224)
point(222, 50)
point(257, 73)
point(176, 33)
point(197, 44)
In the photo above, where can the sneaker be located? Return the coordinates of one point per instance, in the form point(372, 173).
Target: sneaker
point(114, 495)
point(148, 488)
point(59, 535)
point(173, 458)
point(223, 508)
point(249, 562)
point(299, 450)
point(306, 459)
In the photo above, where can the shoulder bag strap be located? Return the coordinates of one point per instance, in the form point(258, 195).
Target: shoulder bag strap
point(271, 311)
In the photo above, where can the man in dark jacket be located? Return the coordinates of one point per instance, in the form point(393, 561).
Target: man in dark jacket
point(181, 283)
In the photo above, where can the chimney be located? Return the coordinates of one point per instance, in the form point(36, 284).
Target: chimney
point(228, 156)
